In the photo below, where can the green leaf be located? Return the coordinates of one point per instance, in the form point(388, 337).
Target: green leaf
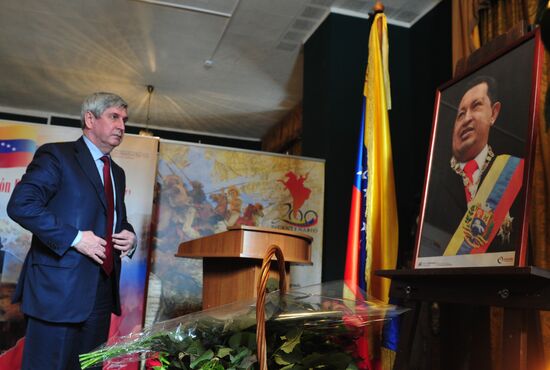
point(163, 358)
point(243, 338)
point(248, 361)
point(208, 355)
point(293, 357)
point(177, 365)
point(243, 352)
point(195, 348)
point(224, 351)
point(293, 367)
point(312, 360)
point(292, 340)
point(338, 360)
point(213, 364)
point(279, 360)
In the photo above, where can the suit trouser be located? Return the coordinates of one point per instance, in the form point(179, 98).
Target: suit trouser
point(56, 346)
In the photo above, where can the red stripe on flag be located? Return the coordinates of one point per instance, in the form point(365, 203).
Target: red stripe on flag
point(351, 272)
point(503, 206)
point(18, 159)
point(351, 275)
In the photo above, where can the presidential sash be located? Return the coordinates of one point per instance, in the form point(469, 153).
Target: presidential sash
point(488, 209)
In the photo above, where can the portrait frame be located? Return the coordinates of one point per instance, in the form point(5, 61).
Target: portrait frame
point(490, 228)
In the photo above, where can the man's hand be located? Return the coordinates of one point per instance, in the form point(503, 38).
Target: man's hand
point(124, 241)
point(92, 246)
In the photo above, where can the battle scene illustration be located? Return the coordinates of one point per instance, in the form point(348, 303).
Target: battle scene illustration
point(201, 191)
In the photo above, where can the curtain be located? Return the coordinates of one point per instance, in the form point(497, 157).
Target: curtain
point(493, 18)
point(465, 31)
point(540, 201)
point(497, 17)
point(286, 136)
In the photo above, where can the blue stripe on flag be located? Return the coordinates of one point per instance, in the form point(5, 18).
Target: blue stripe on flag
point(17, 145)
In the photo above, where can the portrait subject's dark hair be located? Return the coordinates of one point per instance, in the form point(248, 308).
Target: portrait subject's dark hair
point(492, 86)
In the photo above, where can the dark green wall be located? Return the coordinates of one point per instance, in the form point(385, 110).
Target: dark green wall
point(335, 59)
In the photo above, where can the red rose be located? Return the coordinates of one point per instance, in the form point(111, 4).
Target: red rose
point(150, 363)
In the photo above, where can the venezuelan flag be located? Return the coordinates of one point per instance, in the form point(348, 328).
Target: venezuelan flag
point(17, 145)
point(373, 228)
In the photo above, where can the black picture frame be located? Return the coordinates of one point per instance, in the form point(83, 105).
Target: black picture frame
point(492, 228)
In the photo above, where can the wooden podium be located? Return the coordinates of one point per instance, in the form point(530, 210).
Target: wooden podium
point(232, 260)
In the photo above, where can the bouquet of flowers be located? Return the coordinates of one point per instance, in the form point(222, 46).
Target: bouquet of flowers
point(311, 327)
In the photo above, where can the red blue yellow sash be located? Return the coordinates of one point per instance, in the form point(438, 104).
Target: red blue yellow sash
point(487, 210)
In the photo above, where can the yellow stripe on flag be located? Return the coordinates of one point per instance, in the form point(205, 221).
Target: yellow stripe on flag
point(481, 196)
point(381, 207)
point(14, 132)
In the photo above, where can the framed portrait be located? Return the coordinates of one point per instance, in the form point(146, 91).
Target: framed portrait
point(474, 210)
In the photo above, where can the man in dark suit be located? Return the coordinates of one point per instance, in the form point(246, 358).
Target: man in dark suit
point(71, 199)
point(472, 200)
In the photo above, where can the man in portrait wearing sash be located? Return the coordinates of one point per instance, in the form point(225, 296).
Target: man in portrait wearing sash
point(490, 182)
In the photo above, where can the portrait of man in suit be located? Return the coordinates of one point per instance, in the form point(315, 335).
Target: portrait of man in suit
point(490, 183)
point(71, 198)
point(473, 204)
point(476, 190)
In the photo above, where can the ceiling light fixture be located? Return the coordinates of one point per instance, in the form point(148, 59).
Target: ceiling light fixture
point(186, 7)
point(146, 132)
point(209, 62)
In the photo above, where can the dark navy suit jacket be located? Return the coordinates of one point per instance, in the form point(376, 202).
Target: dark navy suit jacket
point(60, 194)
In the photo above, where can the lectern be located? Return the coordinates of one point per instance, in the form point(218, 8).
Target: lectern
point(232, 260)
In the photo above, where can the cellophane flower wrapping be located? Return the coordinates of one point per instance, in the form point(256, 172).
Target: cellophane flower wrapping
point(311, 327)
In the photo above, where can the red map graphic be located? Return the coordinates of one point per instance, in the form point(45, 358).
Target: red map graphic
point(298, 191)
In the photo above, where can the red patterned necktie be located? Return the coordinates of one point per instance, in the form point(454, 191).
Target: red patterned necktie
point(107, 184)
point(469, 170)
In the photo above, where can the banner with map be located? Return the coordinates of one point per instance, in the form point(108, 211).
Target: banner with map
point(137, 155)
point(202, 190)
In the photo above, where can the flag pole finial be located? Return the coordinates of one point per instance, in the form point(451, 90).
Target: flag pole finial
point(378, 7)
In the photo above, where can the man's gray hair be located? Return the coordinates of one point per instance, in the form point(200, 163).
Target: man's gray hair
point(99, 102)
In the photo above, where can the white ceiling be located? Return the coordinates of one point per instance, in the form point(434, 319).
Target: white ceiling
point(219, 67)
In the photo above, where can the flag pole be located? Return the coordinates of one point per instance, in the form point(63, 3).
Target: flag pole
point(372, 234)
point(379, 8)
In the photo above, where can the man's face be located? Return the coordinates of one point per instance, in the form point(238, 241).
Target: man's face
point(107, 130)
point(473, 122)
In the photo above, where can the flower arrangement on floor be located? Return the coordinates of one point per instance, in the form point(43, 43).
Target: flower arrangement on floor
point(309, 328)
